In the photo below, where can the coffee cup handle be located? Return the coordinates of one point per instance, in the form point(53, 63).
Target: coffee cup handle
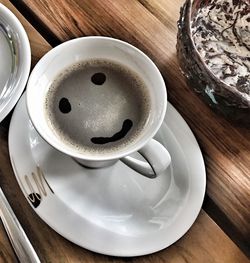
point(157, 159)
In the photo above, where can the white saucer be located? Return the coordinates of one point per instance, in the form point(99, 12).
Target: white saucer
point(113, 210)
point(14, 62)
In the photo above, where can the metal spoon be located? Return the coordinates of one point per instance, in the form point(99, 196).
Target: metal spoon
point(20, 242)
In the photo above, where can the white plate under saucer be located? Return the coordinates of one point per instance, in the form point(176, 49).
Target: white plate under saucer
point(114, 210)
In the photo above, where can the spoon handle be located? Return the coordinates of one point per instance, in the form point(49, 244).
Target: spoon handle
point(20, 242)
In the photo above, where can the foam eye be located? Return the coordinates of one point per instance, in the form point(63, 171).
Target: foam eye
point(98, 78)
point(64, 105)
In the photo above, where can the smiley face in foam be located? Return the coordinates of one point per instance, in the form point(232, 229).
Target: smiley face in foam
point(97, 105)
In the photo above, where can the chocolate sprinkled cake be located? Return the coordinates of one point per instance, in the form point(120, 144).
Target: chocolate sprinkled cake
point(213, 48)
point(221, 34)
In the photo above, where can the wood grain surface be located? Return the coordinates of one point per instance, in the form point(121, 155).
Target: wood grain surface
point(6, 252)
point(151, 26)
point(204, 242)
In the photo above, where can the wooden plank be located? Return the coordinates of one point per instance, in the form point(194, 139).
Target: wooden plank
point(151, 26)
point(6, 252)
point(202, 243)
point(39, 47)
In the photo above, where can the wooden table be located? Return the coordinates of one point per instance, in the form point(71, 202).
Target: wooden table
point(222, 231)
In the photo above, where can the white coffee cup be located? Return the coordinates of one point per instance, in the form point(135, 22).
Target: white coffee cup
point(81, 49)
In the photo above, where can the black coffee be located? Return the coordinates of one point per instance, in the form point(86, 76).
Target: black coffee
point(97, 105)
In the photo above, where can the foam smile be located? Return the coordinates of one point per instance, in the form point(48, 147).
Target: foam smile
point(126, 127)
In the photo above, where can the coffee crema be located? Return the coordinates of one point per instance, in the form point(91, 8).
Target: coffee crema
point(97, 106)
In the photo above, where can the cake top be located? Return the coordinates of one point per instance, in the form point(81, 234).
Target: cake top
point(221, 34)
